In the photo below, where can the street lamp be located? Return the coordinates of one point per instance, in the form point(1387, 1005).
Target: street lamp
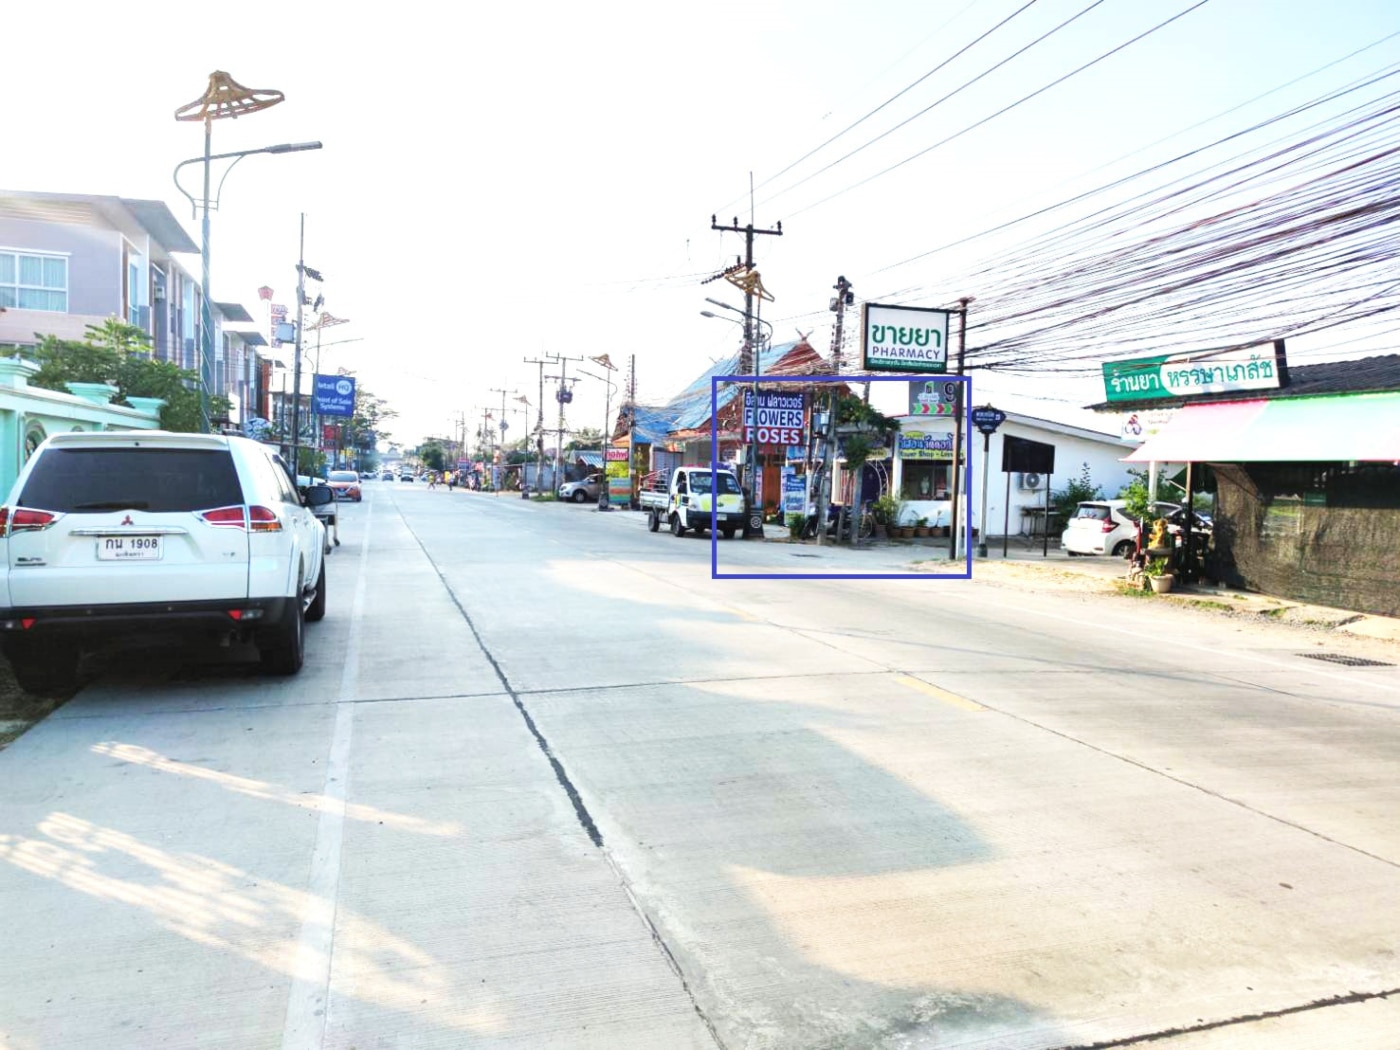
point(223, 98)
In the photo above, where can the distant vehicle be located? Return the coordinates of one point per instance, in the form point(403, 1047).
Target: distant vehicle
point(684, 502)
point(1100, 527)
point(122, 536)
point(405, 476)
point(584, 491)
point(345, 483)
point(388, 475)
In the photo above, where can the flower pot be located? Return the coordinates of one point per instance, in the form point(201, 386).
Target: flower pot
point(1161, 584)
point(920, 531)
point(905, 532)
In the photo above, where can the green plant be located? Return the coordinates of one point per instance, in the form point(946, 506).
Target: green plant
point(1076, 491)
point(1134, 493)
point(1157, 567)
point(886, 509)
point(794, 524)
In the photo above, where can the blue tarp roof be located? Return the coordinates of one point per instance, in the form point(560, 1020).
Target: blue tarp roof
point(690, 409)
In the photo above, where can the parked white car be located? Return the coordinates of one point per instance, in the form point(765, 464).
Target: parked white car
point(138, 534)
point(1100, 527)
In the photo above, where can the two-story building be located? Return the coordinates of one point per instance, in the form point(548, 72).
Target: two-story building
point(72, 260)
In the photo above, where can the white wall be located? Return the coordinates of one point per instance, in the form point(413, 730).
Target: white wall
point(1073, 449)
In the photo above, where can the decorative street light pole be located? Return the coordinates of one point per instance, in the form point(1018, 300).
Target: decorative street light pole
point(223, 98)
point(604, 498)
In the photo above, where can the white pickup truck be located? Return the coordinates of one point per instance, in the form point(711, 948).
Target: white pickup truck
point(684, 503)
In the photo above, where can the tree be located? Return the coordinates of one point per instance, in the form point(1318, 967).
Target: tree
point(432, 456)
point(588, 437)
point(119, 354)
point(1076, 491)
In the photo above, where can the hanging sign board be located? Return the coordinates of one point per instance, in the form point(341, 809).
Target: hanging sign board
point(1260, 367)
point(335, 395)
point(903, 339)
point(918, 444)
point(930, 397)
point(987, 419)
point(781, 418)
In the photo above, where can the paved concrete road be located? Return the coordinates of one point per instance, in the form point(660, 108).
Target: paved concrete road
point(543, 782)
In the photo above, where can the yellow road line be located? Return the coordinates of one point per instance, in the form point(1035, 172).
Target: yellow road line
point(938, 694)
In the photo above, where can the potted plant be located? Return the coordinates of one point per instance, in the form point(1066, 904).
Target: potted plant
point(886, 513)
point(1159, 576)
point(921, 527)
point(901, 515)
point(794, 527)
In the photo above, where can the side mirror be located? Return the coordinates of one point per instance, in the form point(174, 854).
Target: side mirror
point(319, 496)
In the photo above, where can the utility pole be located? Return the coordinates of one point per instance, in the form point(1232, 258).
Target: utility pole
point(844, 297)
point(539, 427)
point(296, 369)
point(747, 363)
point(631, 424)
point(955, 533)
point(501, 445)
point(563, 395)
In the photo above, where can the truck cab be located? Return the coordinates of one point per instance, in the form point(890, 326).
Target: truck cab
point(687, 502)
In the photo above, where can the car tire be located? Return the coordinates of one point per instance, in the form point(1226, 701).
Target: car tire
point(653, 521)
point(579, 496)
point(282, 648)
point(1074, 554)
point(1122, 548)
point(728, 531)
point(43, 670)
point(677, 529)
point(316, 611)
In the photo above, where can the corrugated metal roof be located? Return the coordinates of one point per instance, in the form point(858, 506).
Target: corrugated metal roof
point(592, 459)
point(1367, 375)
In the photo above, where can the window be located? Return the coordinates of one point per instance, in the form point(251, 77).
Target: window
point(727, 485)
point(34, 282)
point(165, 480)
point(924, 480)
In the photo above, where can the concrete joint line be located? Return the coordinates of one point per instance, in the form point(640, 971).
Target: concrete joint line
point(308, 1002)
point(1348, 999)
point(585, 818)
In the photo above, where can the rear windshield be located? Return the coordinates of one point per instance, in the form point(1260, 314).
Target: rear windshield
point(1089, 510)
point(91, 480)
point(701, 483)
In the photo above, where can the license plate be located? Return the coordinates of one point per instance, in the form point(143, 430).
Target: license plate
point(129, 548)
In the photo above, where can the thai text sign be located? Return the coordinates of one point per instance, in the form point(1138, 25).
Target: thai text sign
point(781, 418)
point(615, 455)
point(335, 395)
point(931, 397)
point(918, 444)
point(903, 339)
point(1186, 375)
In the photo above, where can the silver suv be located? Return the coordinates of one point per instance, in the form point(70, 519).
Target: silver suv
point(138, 534)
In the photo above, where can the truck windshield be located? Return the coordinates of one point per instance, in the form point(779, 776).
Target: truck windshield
point(727, 485)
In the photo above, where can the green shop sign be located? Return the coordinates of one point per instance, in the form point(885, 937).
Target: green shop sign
point(1260, 367)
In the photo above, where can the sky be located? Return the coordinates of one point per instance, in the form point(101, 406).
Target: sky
point(507, 181)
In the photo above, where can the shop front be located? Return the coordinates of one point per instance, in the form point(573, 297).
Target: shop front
point(923, 475)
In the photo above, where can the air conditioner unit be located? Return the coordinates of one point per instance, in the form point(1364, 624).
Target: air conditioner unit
point(1031, 482)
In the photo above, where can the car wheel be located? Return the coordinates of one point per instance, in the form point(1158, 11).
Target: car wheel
point(677, 529)
point(728, 531)
point(1074, 554)
point(316, 611)
point(1122, 548)
point(579, 496)
point(653, 521)
point(283, 648)
point(43, 669)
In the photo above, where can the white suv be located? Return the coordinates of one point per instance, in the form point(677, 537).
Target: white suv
point(137, 534)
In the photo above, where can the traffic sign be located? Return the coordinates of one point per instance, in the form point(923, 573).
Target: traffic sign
point(987, 419)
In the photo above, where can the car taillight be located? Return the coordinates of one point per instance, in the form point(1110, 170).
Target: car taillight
point(1107, 526)
point(264, 519)
point(225, 517)
point(25, 519)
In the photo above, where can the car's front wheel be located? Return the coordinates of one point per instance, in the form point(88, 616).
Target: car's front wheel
point(677, 529)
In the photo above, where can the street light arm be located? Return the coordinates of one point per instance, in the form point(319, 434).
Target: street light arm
point(236, 155)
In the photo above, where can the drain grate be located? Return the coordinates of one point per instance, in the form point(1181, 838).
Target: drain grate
point(1348, 661)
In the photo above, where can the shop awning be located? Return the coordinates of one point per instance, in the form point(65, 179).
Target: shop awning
point(1346, 428)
